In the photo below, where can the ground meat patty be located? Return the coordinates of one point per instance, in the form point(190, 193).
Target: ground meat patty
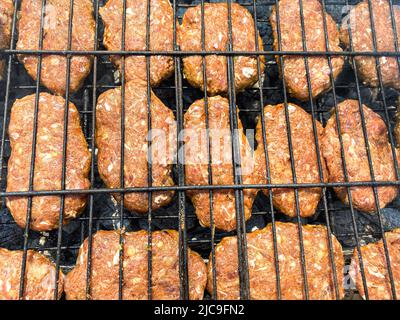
point(217, 39)
point(39, 276)
point(6, 15)
point(55, 37)
point(105, 268)
point(362, 40)
point(262, 271)
point(356, 155)
point(163, 144)
point(375, 267)
point(196, 160)
point(305, 157)
point(48, 161)
point(161, 36)
point(291, 40)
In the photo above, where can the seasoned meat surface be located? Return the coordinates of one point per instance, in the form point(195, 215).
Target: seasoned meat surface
point(48, 161)
point(291, 40)
point(304, 153)
point(55, 37)
point(196, 160)
point(161, 36)
point(39, 276)
point(105, 268)
point(261, 260)
point(356, 155)
point(217, 39)
point(6, 16)
point(375, 267)
point(358, 21)
point(163, 144)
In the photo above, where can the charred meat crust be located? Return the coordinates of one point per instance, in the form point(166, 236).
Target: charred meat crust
point(39, 276)
point(305, 158)
point(196, 159)
point(163, 144)
point(356, 155)
point(375, 267)
point(291, 40)
point(105, 268)
point(362, 40)
point(217, 39)
point(48, 161)
point(161, 37)
point(262, 273)
point(55, 37)
point(6, 16)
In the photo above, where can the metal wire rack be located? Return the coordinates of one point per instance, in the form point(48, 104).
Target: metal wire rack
point(64, 243)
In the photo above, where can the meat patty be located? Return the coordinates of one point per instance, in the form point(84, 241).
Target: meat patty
point(375, 267)
point(291, 40)
point(196, 160)
point(362, 40)
point(217, 39)
point(39, 276)
point(161, 36)
point(163, 144)
point(356, 155)
point(105, 268)
point(304, 153)
point(48, 161)
point(55, 37)
point(6, 16)
point(262, 273)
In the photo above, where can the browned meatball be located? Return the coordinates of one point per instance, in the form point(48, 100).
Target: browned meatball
point(260, 251)
point(163, 144)
point(48, 161)
point(362, 40)
point(39, 276)
point(304, 153)
point(217, 39)
point(105, 268)
point(55, 37)
point(6, 15)
point(161, 36)
point(196, 160)
point(375, 267)
point(356, 155)
point(291, 40)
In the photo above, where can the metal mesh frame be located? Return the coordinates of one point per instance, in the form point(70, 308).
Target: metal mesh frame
point(177, 88)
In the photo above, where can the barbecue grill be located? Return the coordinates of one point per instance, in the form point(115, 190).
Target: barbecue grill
point(351, 227)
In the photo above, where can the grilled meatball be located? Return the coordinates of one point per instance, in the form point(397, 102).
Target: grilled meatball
point(55, 37)
point(48, 161)
point(291, 40)
point(305, 158)
point(196, 160)
point(217, 39)
point(163, 144)
point(105, 268)
point(161, 36)
point(39, 276)
point(356, 155)
point(375, 267)
point(362, 40)
point(6, 16)
point(262, 273)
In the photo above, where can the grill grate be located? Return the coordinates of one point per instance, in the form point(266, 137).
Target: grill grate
point(102, 212)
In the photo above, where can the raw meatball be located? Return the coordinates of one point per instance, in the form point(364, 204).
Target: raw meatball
point(356, 155)
point(291, 40)
point(163, 144)
point(6, 16)
point(48, 161)
point(105, 268)
point(217, 39)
